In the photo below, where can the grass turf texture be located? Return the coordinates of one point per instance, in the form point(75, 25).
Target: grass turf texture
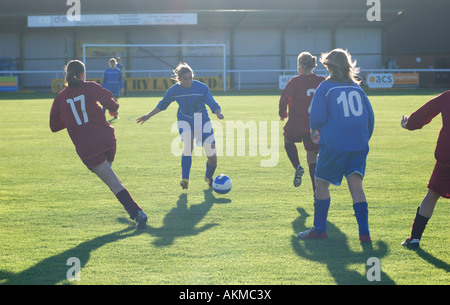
point(53, 208)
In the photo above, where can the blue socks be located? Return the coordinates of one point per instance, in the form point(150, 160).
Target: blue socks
point(186, 162)
point(362, 217)
point(321, 207)
point(321, 213)
point(209, 170)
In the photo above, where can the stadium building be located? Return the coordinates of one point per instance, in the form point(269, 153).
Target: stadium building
point(254, 43)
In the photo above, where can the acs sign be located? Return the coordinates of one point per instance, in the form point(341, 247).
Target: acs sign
point(380, 80)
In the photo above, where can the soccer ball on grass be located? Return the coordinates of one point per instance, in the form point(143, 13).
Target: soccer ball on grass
point(222, 184)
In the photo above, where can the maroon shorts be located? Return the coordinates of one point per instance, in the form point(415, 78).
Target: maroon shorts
point(96, 160)
point(440, 180)
point(304, 137)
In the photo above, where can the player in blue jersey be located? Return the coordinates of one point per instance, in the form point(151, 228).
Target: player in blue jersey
point(342, 113)
point(193, 121)
point(113, 81)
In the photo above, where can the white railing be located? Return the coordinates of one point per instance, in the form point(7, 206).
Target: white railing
point(241, 79)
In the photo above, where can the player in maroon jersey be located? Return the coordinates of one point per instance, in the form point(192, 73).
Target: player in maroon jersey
point(439, 183)
point(297, 95)
point(76, 109)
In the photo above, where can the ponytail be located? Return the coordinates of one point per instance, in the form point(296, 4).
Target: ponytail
point(308, 61)
point(74, 69)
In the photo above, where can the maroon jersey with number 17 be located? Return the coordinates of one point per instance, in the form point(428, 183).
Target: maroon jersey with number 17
point(76, 109)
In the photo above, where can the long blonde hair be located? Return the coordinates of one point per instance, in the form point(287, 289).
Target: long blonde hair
point(181, 69)
point(341, 66)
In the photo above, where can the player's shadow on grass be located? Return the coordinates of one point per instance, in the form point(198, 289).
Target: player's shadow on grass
point(335, 253)
point(183, 219)
point(53, 269)
point(432, 260)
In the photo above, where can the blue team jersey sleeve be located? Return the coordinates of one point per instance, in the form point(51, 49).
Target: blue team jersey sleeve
point(209, 100)
point(371, 116)
point(318, 112)
point(167, 99)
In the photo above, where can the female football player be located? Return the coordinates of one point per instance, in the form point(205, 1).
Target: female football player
point(193, 120)
point(297, 95)
point(344, 115)
point(113, 81)
point(76, 109)
point(439, 183)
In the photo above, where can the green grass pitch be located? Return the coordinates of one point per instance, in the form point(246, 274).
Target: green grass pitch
point(52, 208)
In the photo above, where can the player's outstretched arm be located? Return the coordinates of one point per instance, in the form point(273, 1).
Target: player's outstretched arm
point(219, 114)
point(147, 116)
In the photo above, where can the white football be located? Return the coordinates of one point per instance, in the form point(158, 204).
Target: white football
point(222, 184)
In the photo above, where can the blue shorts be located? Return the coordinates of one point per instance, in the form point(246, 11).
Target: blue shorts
point(203, 133)
point(333, 165)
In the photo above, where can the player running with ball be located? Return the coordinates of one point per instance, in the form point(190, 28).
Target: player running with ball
point(192, 97)
point(342, 112)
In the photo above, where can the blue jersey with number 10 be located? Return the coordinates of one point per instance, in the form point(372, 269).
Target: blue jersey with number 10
point(343, 114)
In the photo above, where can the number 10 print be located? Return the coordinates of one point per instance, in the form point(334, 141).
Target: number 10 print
point(351, 103)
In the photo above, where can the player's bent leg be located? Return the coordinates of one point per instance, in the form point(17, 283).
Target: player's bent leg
point(322, 189)
point(360, 206)
point(354, 182)
point(312, 151)
point(107, 175)
point(292, 152)
point(210, 152)
point(423, 215)
point(188, 142)
point(418, 227)
point(311, 158)
point(322, 202)
point(211, 163)
point(319, 230)
point(428, 203)
point(186, 158)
